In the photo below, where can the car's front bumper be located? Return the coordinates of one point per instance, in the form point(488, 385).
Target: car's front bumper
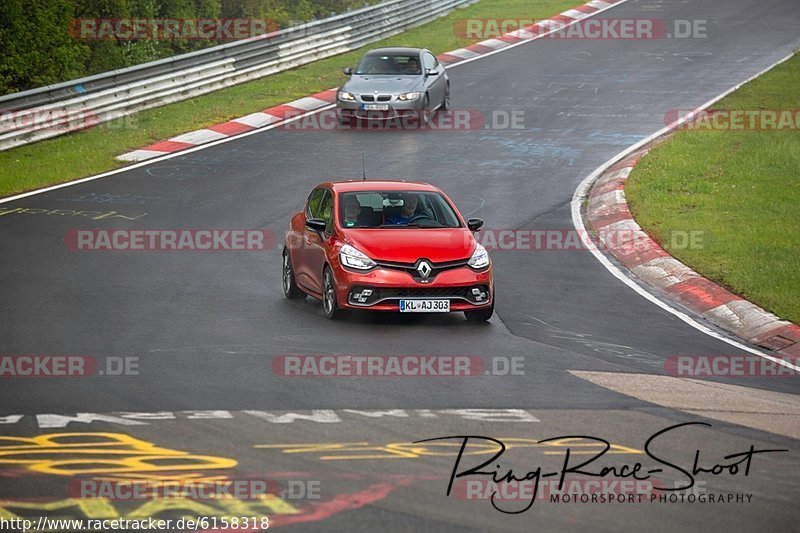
point(395, 109)
point(465, 288)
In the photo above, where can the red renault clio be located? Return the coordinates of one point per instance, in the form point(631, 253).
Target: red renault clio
point(387, 246)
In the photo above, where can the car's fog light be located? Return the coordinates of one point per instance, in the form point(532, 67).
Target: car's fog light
point(478, 294)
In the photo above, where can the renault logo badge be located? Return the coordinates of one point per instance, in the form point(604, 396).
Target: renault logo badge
point(424, 269)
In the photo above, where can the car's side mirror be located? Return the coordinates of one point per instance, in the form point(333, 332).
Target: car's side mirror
point(316, 224)
point(474, 224)
point(348, 71)
point(431, 72)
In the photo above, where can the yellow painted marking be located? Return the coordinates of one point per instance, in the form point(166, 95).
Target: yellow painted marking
point(89, 507)
point(120, 457)
point(312, 447)
point(407, 450)
point(109, 453)
point(101, 508)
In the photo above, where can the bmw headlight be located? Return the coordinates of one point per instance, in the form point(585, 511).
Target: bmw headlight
point(480, 258)
point(407, 97)
point(346, 96)
point(353, 258)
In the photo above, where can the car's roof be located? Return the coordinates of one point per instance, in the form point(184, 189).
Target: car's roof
point(380, 185)
point(394, 50)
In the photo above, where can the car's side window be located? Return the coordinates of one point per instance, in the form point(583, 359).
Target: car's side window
point(428, 61)
point(314, 199)
point(326, 211)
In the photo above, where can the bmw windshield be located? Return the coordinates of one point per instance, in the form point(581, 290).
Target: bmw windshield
point(389, 65)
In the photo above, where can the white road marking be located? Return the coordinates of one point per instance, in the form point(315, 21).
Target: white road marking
point(319, 416)
point(257, 119)
point(198, 137)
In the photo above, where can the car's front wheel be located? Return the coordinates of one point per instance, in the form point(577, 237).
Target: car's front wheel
point(426, 112)
point(329, 303)
point(290, 288)
point(446, 99)
point(480, 315)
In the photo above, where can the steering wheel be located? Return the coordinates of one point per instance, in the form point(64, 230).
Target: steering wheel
point(421, 216)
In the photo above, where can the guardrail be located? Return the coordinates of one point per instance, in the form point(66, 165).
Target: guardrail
point(53, 110)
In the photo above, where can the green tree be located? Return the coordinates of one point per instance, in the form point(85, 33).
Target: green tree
point(37, 48)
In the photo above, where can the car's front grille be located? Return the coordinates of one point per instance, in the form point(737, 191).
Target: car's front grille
point(443, 292)
point(379, 98)
point(357, 295)
point(436, 268)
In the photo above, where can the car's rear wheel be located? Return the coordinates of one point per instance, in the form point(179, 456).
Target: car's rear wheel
point(329, 303)
point(290, 288)
point(480, 315)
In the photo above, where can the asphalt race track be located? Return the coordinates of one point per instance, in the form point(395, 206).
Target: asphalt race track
point(206, 326)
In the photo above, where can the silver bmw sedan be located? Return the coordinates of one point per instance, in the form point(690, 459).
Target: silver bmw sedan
point(393, 83)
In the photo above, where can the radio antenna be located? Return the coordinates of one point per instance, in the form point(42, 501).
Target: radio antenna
point(363, 167)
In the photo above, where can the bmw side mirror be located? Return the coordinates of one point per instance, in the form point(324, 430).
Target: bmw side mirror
point(432, 72)
point(316, 224)
point(348, 71)
point(474, 224)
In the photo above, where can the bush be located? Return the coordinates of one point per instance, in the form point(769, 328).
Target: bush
point(38, 48)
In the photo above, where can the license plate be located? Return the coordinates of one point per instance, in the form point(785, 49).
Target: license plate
point(424, 306)
point(375, 107)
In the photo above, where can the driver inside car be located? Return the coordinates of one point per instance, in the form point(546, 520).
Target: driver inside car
point(412, 66)
point(408, 212)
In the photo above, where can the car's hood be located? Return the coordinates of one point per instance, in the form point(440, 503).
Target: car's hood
point(406, 245)
point(397, 84)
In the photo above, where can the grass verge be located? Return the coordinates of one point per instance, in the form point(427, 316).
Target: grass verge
point(92, 151)
point(740, 189)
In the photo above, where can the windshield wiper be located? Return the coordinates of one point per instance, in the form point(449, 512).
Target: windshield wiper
point(412, 225)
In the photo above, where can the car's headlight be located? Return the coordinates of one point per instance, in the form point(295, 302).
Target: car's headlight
point(353, 258)
point(346, 96)
point(480, 258)
point(407, 97)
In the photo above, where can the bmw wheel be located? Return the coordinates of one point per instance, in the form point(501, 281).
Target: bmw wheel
point(426, 113)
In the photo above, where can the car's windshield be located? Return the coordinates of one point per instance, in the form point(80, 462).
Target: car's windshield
point(389, 64)
point(396, 209)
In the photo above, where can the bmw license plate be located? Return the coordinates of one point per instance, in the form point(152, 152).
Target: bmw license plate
point(424, 306)
point(375, 107)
